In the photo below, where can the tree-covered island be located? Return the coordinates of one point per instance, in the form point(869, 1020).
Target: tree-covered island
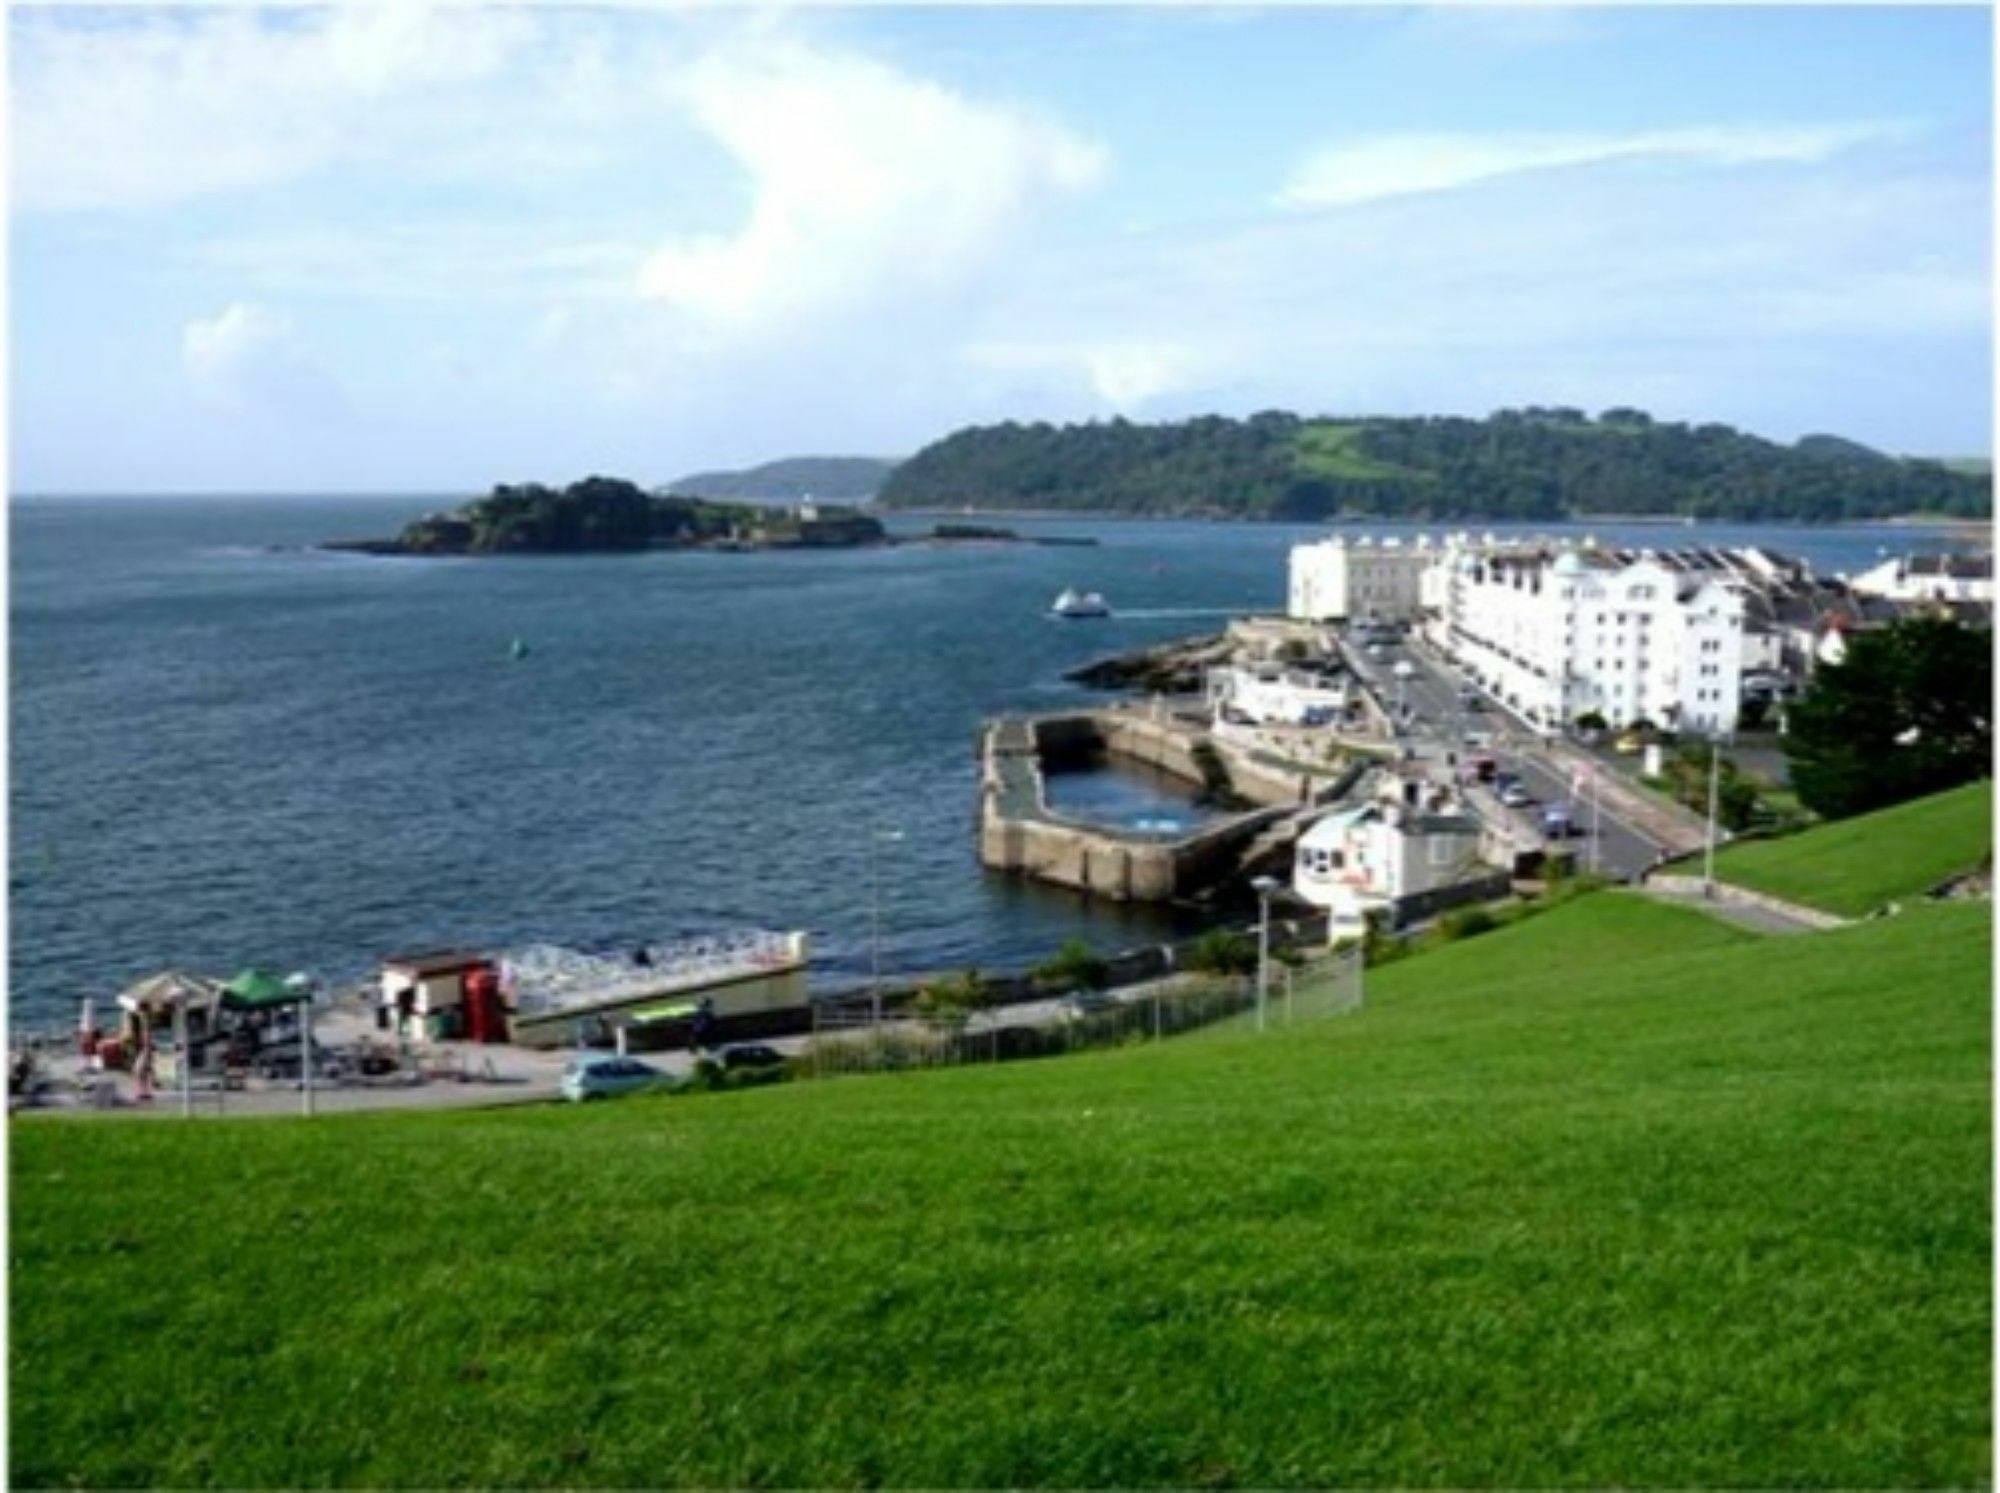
point(609, 515)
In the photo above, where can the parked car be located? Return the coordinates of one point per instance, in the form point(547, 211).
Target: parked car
point(1515, 796)
point(1556, 822)
point(751, 1055)
point(608, 1077)
point(1404, 669)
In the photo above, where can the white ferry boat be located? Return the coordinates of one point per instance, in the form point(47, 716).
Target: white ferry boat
point(1078, 605)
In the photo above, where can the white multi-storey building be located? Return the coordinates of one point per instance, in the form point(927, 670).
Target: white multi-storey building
point(1339, 579)
point(1563, 633)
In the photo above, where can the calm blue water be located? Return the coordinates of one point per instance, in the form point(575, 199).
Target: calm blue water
point(222, 754)
point(1129, 795)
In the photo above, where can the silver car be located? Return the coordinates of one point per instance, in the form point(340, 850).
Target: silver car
point(608, 1077)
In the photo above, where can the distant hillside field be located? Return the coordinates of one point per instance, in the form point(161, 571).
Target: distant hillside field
point(1535, 463)
point(1856, 865)
point(1618, 1196)
point(832, 479)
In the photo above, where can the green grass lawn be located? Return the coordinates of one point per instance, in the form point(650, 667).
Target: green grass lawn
point(1332, 448)
point(1853, 866)
point(1621, 1195)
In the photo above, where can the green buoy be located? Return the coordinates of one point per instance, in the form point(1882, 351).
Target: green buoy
point(519, 649)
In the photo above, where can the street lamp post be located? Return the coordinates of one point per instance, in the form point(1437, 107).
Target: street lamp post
point(182, 1053)
point(1264, 886)
point(1596, 797)
point(876, 840)
point(1714, 786)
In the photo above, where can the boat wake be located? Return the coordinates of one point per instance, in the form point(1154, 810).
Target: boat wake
point(1148, 614)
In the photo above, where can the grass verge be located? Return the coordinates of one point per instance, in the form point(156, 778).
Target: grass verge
point(1618, 1195)
point(1853, 866)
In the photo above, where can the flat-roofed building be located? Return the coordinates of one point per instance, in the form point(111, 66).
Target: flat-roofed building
point(1342, 579)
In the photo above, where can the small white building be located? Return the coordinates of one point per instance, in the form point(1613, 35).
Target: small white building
point(1338, 579)
point(1373, 854)
point(1275, 697)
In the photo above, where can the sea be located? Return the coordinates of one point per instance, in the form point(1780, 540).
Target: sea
point(229, 747)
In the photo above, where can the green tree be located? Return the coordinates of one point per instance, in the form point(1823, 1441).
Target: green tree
point(1687, 775)
point(953, 999)
point(1907, 711)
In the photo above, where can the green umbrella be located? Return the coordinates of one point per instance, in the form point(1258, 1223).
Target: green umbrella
point(259, 989)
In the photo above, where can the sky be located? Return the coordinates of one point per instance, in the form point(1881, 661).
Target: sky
point(418, 248)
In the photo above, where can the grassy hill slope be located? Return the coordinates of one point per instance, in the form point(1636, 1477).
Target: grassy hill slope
point(831, 479)
point(1855, 865)
point(1620, 1195)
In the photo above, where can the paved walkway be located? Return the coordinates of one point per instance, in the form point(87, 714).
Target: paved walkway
point(1745, 915)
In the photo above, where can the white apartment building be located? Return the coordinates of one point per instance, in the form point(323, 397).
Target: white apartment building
point(1560, 633)
point(1338, 579)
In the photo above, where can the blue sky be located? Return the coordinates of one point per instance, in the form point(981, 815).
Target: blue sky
point(413, 248)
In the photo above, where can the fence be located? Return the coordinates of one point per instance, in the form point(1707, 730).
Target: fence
point(1332, 985)
point(847, 1037)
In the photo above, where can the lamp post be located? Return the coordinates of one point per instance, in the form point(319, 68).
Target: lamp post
point(1590, 782)
point(1714, 787)
point(876, 839)
point(302, 986)
point(1264, 886)
point(183, 1053)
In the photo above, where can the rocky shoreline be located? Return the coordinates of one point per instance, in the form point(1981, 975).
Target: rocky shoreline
point(1174, 668)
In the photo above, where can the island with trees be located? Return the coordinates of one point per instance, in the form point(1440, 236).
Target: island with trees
point(602, 514)
point(1537, 463)
point(608, 515)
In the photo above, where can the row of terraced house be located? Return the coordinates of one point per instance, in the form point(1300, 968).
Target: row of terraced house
point(1680, 638)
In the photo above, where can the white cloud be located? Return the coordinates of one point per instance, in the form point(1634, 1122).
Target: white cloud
point(864, 181)
point(1349, 174)
point(139, 109)
point(1125, 375)
point(249, 359)
point(438, 261)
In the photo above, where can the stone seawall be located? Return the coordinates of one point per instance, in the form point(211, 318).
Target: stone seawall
point(1019, 833)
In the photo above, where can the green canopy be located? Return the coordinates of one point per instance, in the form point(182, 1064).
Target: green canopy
point(260, 989)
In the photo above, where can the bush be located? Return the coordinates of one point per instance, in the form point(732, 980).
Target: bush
point(1591, 720)
point(951, 1001)
point(1466, 922)
point(1075, 966)
point(1222, 952)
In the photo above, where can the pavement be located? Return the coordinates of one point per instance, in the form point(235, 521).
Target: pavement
point(444, 1075)
point(1756, 918)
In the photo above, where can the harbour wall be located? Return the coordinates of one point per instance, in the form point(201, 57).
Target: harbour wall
point(1019, 833)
